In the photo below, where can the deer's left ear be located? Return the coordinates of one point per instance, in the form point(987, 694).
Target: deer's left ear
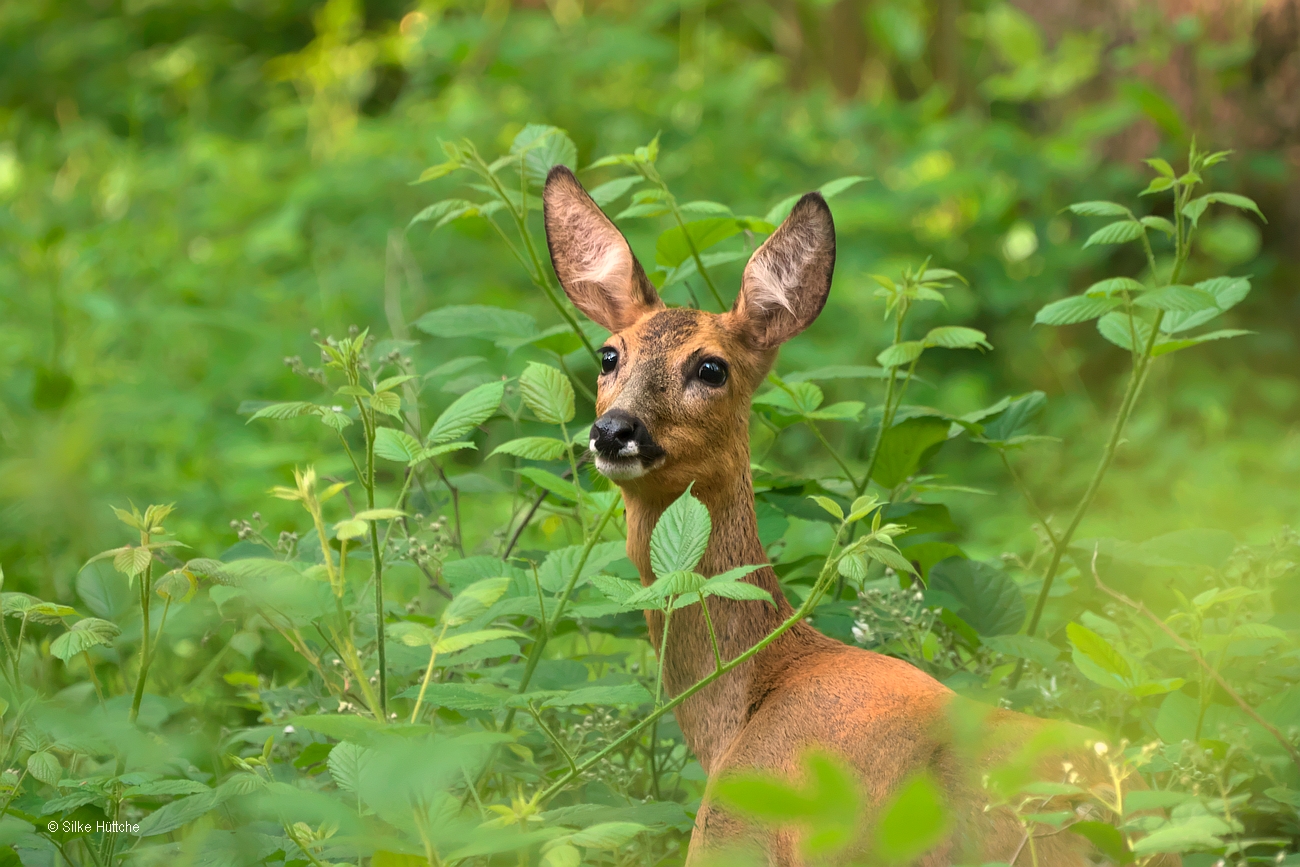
point(787, 279)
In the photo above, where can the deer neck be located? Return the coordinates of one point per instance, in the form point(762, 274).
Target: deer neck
point(711, 719)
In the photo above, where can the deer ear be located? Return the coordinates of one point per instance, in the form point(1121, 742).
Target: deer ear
point(591, 257)
point(787, 279)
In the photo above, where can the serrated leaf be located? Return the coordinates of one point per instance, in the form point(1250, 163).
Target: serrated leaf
point(957, 337)
point(475, 599)
point(1115, 328)
point(379, 514)
point(131, 561)
point(630, 693)
point(1160, 224)
point(455, 643)
point(1161, 166)
point(1114, 286)
point(900, 353)
point(829, 505)
point(1227, 292)
point(282, 411)
point(477, 320)
point(680, 536)
point(608, 193)
point(1100, 652)
point(831, 189)
point(345, 764)
point(44, 766)
point(392, 444)
point(1182, 299)
point(468, 412)
point(553, 483)
point(672, 248)
point(432, 173)
point(547, 392)
point(533, 448)
point(83, 635)
point(1119, 232)
point(913, 822)
point(543, 148)
point(1099, 209)
point(1164, 347)
point(387, 402)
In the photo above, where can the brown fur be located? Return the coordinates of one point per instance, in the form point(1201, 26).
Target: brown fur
point(885, 717)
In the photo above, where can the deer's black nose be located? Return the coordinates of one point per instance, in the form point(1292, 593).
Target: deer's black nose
point(619, 434)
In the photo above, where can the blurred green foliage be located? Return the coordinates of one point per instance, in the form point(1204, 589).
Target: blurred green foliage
point(189, 188)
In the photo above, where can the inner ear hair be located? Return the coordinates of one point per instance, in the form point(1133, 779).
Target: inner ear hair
point(591, 257)
point(787, 279)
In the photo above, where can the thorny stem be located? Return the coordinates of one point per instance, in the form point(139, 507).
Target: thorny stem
point(663, 650)
point(555, 741)
point(1028, 495)
point(428, 673)
point(690, 243)
point(713, 636)
point(377, 559)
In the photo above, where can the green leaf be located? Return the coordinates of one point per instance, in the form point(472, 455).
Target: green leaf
point(44, 766)
point(672, 249)
point(547, 392)
point(607, 835)
point(131, 560)
point(1115, 328)
point(1196, 832)
point(1119, 232)
point(1167, 346)
point(387, 402)
point(737, 590)
point(831, 189)
point(171, 816)
point(282, 411)
point(351, 529)
point(1009, 421)
point(553, 483)
point(1091, 647)
point(533, 448)
point(1193, 209)
point(907, 445)
point(679, 538)
point(468, 412)
point(561, 564)
point(1160, 224)
point(446, 211)
point(957, 337)
point(432, 173)
point(914, 822)
point(836, 371)
point(829, 505)
point(392, 444)
point(544, 147)
point(801, 399)
point(379, 514)
point(477, 320)
point(1184, 299)
point(1114, 286)
point(981, 594)
point(1027, 647)
point(1161, 166)
point(462, 640)
point(1099, 209)
point(1157, 185)
point(630, 693)
point(608, 193)
point(346, 762)
point(900, 353)
point(83, 635)
point(475, 599)
point(1079, 308)
point(1227, 291)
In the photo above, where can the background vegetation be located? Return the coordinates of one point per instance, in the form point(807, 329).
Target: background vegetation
point(194, 195)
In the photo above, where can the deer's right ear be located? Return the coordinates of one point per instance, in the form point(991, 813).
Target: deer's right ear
point(591, 257)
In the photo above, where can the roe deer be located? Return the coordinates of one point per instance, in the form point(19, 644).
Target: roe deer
point(673, 409)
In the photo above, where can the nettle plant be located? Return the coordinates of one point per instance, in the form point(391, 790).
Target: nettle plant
point(396, 688)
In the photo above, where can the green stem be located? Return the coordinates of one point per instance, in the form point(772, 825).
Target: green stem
point(844, 467)
point(713, 636)
point(555, 741)
point(377, 558)
point(428, 673)
point(146, 585)
point(548, 624)
point(1029, 497)
point(885, 414)
point(823, 581)
point(1138, 376)
point(690, 243)
point(663, 650)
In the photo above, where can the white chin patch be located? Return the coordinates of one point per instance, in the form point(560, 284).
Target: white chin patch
point(620, 469)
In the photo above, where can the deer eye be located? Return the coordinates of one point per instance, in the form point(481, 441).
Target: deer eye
point(713, 371)
point(608, 359)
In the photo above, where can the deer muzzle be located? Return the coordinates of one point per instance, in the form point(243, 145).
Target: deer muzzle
point(623, 446)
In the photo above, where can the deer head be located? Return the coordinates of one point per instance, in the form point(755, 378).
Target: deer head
point(675, 384)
